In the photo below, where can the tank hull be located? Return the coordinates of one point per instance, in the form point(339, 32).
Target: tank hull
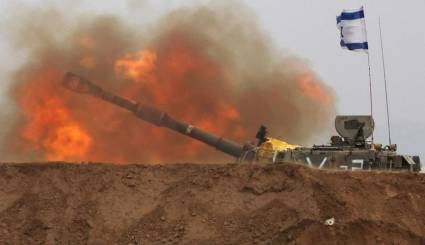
point(350, 159)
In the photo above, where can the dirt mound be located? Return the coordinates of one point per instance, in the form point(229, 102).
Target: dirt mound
point(56, 203)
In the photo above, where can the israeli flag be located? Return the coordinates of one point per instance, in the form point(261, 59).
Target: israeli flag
point(352, 25)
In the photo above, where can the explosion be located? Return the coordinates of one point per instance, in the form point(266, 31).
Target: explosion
point(49, 126)
point(221, 75)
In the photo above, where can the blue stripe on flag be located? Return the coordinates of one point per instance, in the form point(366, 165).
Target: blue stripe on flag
point(354, 46)
point(350, 16)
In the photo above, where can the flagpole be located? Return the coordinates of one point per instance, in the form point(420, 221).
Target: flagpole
point(353, 40)
point(370, 85)
point(385, 82)
point(370, 79)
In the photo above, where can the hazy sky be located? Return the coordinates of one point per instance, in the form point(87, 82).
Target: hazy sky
point(307, 28)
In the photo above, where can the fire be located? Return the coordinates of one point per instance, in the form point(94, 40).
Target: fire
point(164, 82)
point(68, 141)
point(313, 89)
point(218, 79)
point(139, 66)
point(49, 126)
point(161, 79)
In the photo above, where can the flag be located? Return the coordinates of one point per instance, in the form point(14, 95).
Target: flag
point(352, 26)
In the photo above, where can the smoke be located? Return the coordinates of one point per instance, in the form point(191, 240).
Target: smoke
point(136, 5)
point(211, 66)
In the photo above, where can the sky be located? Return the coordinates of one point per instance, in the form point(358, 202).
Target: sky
point(307, 28)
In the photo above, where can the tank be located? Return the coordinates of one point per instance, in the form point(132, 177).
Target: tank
point(350, 150)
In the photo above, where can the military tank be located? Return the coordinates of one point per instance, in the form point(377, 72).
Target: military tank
point(351, 150)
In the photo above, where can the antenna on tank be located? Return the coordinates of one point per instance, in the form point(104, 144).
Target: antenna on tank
point(385, 82)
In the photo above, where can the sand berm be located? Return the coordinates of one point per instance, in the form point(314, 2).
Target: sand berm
point(62, 203)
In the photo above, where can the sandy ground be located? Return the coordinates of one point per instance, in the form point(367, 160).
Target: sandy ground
point(58, 203)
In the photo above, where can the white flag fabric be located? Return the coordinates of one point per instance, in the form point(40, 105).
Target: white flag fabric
point(352, 25)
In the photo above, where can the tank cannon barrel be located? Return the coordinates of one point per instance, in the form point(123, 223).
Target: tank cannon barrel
point(152, 115)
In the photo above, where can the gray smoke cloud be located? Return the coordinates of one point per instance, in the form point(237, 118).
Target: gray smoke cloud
point(210, 65)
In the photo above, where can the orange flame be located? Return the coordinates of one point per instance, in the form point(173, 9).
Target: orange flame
point(177, 76)
point(314, 89)
point(50, 127)
point(137, 67)
point(162, 81)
